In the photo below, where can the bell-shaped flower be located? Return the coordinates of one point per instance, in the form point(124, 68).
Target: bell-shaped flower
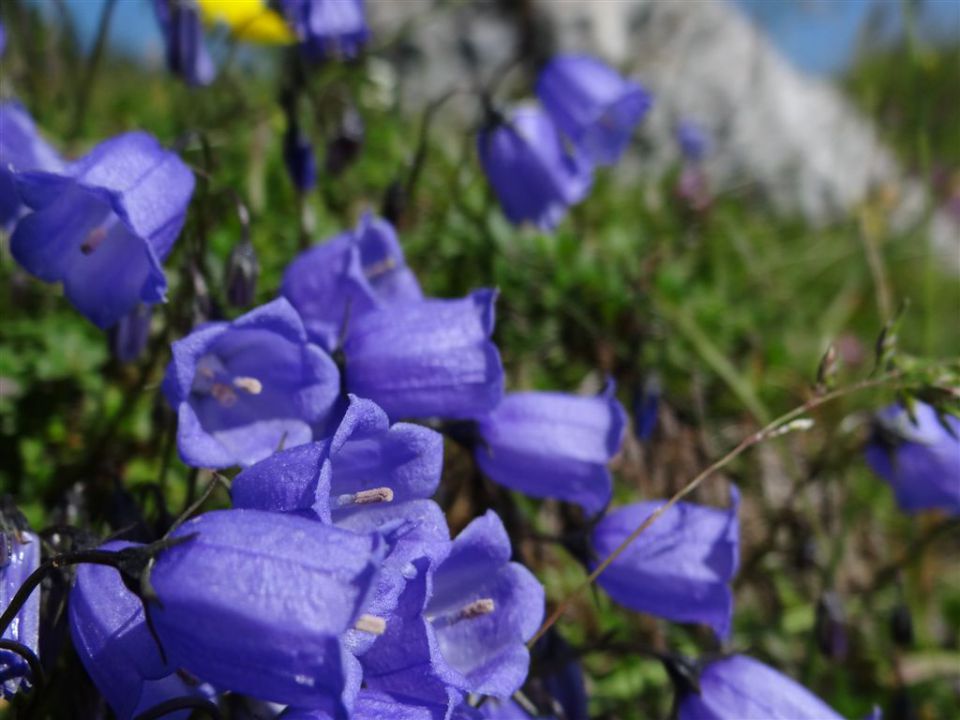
point(349, 275)
point(365, 464)
point(680, 567)
point(592, 104)
point(561, 675)
point(461, 624)
point(245, 389)
point(258, 603)
point(111, 637)
point(693, 141)
point(327, 28)
point(920, 460)
point(19, 557)
point(21, 149)
point(104, 226)
point(533, 174)
point(554, 445)
point(186, 52)
point(368, 477)
point(741, 687)
point(432, 358)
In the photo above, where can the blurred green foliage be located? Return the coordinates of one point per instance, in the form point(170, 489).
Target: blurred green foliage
point(731, 308)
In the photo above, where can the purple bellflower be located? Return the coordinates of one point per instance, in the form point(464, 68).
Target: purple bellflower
point(182, 30)
point(593, 105)
point(461, 623)
point(373, 705)
point(693, 141)
point(104, 226)
point(3, 38)
point(508, 709)
point(365, 464)
point(111, 637)
point(646, 409)
point(245, 389)
point(432, 358)
point(561, 675)
point(299, 157)
point(741, 687)
point(921, 460)
point(258, 603)
point(21, 149)
point(327, 28)
point(534, 176)
point(680, 567)
point(349, 275)
point(19, 556)
point(368, 477)
point(554, 445)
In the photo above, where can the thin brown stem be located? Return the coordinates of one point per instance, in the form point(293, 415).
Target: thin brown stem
point(773, 429)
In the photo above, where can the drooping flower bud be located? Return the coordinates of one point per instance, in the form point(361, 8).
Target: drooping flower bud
point(533, 174)
point(593, 105)
point(432, 358)
point(693, 140)
point(741, 687)
point(299, 158)
point(356, 272)
point(554, 445)
point(104, 226)
point(243, 269)
point(680, 567)
point(918, 458)
point(344, 148)
point(186, 52)
point(327, 29)
point(646, 409)
point(830, 627)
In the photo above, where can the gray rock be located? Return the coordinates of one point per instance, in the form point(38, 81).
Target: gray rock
point(794, 138)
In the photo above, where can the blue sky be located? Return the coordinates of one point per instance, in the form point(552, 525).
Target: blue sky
point(819, 36)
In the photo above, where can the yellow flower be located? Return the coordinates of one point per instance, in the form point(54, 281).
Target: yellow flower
point(248, 20)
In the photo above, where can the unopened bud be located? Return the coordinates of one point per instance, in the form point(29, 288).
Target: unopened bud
point(827, 371)
point(243, 269)
point(299, 159)
point(830, 626)
point(344, 148)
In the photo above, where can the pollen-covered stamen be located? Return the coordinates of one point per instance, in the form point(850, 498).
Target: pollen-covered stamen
point(248, 384)
point(93, 240)
point(379, 268)
point(224, 394)
point(366, 497)
point(371, 624)
point(478, 608)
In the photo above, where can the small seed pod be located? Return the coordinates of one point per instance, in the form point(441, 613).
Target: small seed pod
point(243, 269)
point(344, 148)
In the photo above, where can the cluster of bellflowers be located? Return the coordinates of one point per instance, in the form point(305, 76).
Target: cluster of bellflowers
point(333, 586)
point(540, 157)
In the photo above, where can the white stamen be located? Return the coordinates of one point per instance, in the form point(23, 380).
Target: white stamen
point(366, 497)
point(483, 606)
point(371, 624)
point(248, 384)
point(379, 268)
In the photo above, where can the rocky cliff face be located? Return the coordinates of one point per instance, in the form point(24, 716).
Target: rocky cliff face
point(791, 137)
